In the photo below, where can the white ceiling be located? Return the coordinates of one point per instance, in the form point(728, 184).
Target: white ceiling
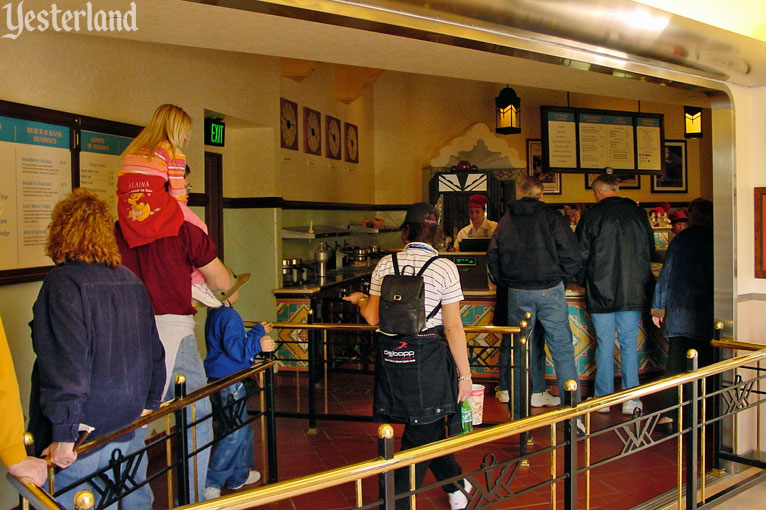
point(197, 25)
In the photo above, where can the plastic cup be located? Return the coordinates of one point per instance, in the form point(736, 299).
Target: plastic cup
point(476, 400)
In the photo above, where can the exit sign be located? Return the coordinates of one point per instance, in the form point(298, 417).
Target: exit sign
point(214, 132)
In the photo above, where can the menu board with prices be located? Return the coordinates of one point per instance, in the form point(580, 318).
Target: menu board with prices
point(578, 140)
point(35, 173)
point(99, 163)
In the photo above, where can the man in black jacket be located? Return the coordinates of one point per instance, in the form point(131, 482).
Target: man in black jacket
point(617, 246)
point(533, 253)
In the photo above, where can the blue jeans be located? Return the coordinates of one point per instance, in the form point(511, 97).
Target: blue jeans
point(89, 464)
point(627, 334)
point(189, 363)
point(549, 307)
point(536, 360)
point(234, 455)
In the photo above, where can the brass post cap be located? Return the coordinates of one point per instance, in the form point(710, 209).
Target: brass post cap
point(718, 325)
point(528, 315)
point(570, 385)
point(29, 438)
point(180, 379)
point(691, 353)
point(84, 499)
point(385, 431)
point(523, 324)
point(523, 340)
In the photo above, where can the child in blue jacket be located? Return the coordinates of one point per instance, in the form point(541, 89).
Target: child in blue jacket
point(230, 348)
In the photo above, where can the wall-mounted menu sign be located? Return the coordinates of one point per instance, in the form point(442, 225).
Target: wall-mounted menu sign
point(99, 162)
point(35, 173)
point(578, 140)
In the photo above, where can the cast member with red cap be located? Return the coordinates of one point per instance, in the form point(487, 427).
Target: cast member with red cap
point(480, 226)
point(679, 220)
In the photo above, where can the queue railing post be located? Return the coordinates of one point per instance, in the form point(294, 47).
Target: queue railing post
point(271, 422)
point(718, 468)
point(182, 442)
point(692, 443)
point(313, 346)
point(386, 485)
point(570, 448)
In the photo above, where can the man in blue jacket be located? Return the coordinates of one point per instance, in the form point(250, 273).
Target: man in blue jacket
point(617, 246)
point(533, 253)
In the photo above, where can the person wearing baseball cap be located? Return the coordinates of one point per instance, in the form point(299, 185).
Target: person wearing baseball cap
point(480, 226)
point(422, 385)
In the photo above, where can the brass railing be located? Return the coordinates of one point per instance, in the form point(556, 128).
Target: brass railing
point(40, 498)
point(640, 426)
point(736, 396)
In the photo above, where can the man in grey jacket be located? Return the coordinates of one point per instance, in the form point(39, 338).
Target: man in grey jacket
point(617, 245)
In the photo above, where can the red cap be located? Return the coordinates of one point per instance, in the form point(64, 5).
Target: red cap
point(477, 201)
point(677, 216)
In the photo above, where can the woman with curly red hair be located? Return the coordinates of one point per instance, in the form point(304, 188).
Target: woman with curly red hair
point(99, 361)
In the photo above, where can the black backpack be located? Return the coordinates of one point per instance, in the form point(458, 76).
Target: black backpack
point(403, 301)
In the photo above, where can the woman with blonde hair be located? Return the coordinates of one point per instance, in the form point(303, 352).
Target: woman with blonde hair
point(100, 362)
point(151, 179)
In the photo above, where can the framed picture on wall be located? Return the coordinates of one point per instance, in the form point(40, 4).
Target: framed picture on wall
point(551, 182)
point(674, 178)
point(760, 239)
point(627, 181)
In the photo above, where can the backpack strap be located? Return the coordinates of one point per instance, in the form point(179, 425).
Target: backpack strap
point(396, 264)
point(420, 273)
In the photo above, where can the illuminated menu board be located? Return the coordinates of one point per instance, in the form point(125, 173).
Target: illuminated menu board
point(578, 140)
point(35, 173)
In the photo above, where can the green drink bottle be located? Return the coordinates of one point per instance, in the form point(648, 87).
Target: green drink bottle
point(466, 416)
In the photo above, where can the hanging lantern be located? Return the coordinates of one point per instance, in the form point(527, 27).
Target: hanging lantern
point(507, 112)
point(692, 122)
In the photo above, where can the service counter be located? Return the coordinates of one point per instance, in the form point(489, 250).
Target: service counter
point(323, 299)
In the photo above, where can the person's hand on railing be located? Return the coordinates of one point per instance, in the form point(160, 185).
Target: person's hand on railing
point(60, 454)
point(30, 470)
point(267, 326)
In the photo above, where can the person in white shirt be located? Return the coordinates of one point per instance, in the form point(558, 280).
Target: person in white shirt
point(479, 226)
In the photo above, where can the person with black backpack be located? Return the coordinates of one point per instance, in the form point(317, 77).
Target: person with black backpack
point(422, 370)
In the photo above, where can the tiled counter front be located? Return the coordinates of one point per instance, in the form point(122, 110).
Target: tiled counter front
point(477, 310)
point(293, 343)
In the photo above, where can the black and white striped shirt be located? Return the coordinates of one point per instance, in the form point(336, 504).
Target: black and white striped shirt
point(441, 278)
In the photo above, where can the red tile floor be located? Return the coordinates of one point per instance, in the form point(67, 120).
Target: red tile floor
point(621, 484)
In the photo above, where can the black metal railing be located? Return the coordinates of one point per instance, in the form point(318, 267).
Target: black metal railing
point(498, 478)
point(124, 474)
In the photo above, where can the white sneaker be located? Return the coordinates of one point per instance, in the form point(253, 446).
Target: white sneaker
point(211, 493)
point(253, 477)
point(630, 405)
point(502, 396)
point(580, 427)
point(202, 294)
point(545, 399)
point(458, 500)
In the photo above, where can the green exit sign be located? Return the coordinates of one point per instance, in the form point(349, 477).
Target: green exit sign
point(214, 132)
